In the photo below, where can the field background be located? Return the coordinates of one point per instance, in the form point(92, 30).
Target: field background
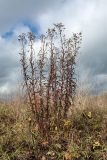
point(88, 121)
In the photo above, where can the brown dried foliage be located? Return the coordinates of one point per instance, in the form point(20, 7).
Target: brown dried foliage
point(49, 78)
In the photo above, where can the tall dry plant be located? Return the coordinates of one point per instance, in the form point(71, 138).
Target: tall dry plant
point(49, 77)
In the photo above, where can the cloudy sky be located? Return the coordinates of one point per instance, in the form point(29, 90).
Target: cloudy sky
point(87, 16)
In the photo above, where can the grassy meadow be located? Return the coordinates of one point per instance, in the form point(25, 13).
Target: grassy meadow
point(83, 136)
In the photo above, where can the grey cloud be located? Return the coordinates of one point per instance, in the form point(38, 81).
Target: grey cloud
point(77, 15)
point(7, 65)
point(95, 58)
point(12, 11)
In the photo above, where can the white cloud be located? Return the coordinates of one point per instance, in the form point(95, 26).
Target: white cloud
point(9, 60)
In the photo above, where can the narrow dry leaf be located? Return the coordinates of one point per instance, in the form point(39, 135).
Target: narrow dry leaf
point(67, 156)
point(43, 158)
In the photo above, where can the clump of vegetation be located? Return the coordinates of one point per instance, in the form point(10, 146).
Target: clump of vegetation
point(49, 79)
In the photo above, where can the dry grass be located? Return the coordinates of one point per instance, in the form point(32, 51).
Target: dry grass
point(82, 137)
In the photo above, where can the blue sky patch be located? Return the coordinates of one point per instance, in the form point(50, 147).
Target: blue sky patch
point(7, 34)
point(34, 28)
